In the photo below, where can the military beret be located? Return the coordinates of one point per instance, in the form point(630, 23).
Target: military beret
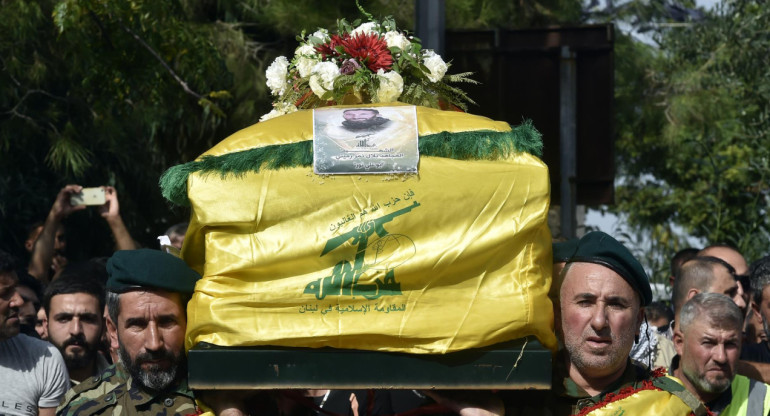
point(599, 248)
point(152, 269)
point(563, 250)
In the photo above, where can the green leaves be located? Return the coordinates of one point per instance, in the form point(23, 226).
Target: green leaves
point(95, 90)
point(697, 125)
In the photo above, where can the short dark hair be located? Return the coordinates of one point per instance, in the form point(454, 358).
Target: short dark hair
point(759, 273)
point(657, 310)
point(361, 109)
point(681, 258)
point(7, 262)
point(32, 229)
point(697, 273)
point(95, 269)
point(113, 306)
point(26, 279)
point(180, 229)
point(70, 284)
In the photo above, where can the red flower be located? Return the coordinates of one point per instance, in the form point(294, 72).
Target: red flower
point(368, 49)
point(329, 49)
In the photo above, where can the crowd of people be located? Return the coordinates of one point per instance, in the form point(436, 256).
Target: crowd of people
point(106, 336)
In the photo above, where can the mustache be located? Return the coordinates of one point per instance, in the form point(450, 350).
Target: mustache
point(154, 356)
point(79, 340)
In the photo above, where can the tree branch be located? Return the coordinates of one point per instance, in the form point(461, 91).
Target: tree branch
point(149, 48)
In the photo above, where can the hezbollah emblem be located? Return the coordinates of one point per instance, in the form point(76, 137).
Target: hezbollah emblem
point(382, 256)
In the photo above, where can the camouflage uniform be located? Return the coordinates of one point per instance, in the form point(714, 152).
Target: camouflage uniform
point(114, 392)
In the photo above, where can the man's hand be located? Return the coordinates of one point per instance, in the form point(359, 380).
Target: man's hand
point(469, 403)
point(61, 206)
point(226, 402)
point(44, 257)
point(111, 209)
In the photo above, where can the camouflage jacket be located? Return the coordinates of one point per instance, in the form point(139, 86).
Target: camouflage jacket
point(114, 392)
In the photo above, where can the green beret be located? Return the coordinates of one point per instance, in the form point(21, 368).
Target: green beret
point(599, 248)
point(152, 269)
point(563, 250)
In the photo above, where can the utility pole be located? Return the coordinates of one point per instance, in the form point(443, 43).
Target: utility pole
point(430, 24)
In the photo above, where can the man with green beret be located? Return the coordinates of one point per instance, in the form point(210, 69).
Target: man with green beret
point(147, 294)
point(603, 293)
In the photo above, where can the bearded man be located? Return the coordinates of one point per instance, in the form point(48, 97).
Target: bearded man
point(75, 304)
point(708, 344)
point(147, 294)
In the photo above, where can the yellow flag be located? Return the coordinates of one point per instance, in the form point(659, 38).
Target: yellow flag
point(457, 256)
point(644, 402)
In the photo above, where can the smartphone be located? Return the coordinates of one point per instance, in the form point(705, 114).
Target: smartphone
point(88, 196)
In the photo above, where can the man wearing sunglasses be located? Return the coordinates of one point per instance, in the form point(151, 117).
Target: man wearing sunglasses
point(735, 259)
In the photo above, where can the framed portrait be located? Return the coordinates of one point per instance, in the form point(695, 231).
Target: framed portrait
point(365, 140)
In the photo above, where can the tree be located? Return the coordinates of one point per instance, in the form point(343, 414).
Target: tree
point(114, 93)
point(694, 128)
point(103, 93)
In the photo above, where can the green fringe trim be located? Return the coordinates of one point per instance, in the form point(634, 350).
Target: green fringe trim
point(470, 145)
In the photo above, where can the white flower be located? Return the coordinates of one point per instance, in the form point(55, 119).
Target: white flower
point(435, 64)
point(322, 77)
point(279, 110)
point(364, 28)
point(322, 34)
point(391, 86)
point(305, 58)
point(276, 75)
point(394, 38)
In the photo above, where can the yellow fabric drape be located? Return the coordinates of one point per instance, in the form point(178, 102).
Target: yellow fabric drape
point(456, 257)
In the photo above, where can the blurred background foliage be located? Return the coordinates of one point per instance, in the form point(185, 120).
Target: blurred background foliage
point(693, 129)
point(113, 93)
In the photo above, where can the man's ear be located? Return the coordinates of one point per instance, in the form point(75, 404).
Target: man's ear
point(112, 333)
point(678, 342)
point(690, 294)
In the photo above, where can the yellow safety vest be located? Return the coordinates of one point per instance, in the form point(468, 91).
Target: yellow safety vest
point(750, 397)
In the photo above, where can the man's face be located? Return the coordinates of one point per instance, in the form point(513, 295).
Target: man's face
point(601, 313)
point(10, 301)
point(764, 310)
point(75, 328)
point(358, 115)
point(725, 284)
point(735, 259)
point(150, 337)
point(708, 356)
point(41, 324)
point(59, 242)
point(28, 309)
point(176, 240)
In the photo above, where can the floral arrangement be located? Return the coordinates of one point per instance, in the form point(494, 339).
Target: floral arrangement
point(371, 62)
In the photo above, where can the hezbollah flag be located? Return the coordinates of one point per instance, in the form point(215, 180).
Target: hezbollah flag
point(455, 256)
